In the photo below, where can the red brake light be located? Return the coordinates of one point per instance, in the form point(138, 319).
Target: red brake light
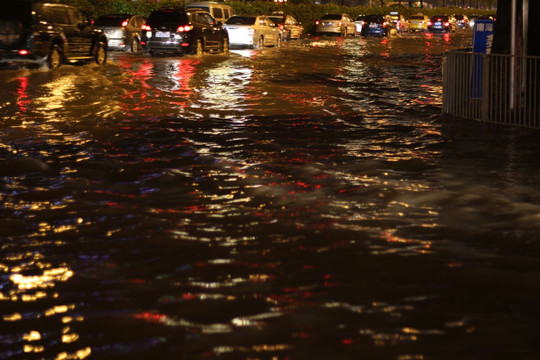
point(184, 28)
point(124, 23)
point(23, 52)
point(317, 22)
point(429, 23)
point(447, 24)
point(384, 24)
point(146, 27)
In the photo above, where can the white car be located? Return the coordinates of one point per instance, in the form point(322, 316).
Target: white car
point(253, 31)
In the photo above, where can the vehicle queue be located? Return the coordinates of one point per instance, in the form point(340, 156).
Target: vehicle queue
point(203, 27)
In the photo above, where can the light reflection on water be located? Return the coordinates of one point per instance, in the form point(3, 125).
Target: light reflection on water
point(302, 202)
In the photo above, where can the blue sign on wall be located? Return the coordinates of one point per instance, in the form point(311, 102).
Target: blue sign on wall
point(482, 40)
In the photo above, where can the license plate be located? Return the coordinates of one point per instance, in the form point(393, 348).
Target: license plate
point(163, 34)
point(372, 26)
point(438, 24)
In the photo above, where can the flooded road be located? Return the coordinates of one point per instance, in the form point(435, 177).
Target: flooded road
point(302, 202)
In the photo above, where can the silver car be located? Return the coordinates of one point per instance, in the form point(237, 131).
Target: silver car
point(337, 24)
point(253, 31)
point(122, 30)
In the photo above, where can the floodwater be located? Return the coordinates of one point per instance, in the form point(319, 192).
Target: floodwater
point(302, 202)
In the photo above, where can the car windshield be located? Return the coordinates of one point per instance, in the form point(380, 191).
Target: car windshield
point(439, 18)
point(164, 17)
point(110, 20)
point(276, 19)
point(241, 20)
point(417, 17)
point(360, 18)
point(331, 17)
point(374, 18)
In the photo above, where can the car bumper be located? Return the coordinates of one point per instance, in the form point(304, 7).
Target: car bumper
point(329, 29)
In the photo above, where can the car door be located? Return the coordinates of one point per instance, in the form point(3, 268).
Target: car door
point(207, 24)
point(78, 34)
point(270, 31)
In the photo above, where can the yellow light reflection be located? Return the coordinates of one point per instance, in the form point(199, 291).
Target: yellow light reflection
point(46, 280)
point(32, 336)
point(78, 355)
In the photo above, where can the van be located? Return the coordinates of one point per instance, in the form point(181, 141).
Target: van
point(220, 12)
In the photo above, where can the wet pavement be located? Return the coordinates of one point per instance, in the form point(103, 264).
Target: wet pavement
point(302, 202)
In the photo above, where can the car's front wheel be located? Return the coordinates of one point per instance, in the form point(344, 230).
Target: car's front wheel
point(225, 45)
point(100, 54)
point(199, 49)
point(54, 59)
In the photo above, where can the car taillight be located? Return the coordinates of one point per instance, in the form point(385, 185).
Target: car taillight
point(146, 27)
point(184, 28)
point(24, 52)
point(124, 23)
point(340, 23)
point(317, 22)
point(281, 26)
point(384, 24)
point(429, 23)
point(447, 24)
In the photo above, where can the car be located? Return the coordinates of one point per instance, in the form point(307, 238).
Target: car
point(376, 24)
point(180, 31)
point(399, 22)
point(290, 28)
point(462, 21)
point(441, 23)
point(418, 22)
point(123, 31)
point(35, 33)
point(255, 31)
point(359, 22)
point(219, 11)
point(335, 23)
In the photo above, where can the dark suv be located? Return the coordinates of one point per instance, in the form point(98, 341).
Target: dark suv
point(37, 32)
point(183, 31)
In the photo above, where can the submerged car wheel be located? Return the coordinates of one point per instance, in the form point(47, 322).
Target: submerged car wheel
point(260, 43)
point(225, 45)
point(54, 59)
point(100, 55)
point(135, 47)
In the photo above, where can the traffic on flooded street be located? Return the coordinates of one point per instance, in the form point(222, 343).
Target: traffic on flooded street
point(301, 201)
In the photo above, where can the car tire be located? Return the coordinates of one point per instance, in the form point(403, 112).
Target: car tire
point(260, 43)
point(100, 54)
point(199, 48)
point(225, 45)
point(135, 46)
point(54, 58)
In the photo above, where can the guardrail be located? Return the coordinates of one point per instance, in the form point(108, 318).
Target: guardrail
point(494, 88)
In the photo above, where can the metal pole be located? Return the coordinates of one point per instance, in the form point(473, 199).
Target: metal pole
point(512, 53)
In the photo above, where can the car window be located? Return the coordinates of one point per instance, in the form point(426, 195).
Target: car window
point(374, 18)
point(167, 17)
point(226, 13)
point(205, 19)
point(241, 20)
point(61, 16)
point(218, 13)
point(108, 21)
point(331, 17)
